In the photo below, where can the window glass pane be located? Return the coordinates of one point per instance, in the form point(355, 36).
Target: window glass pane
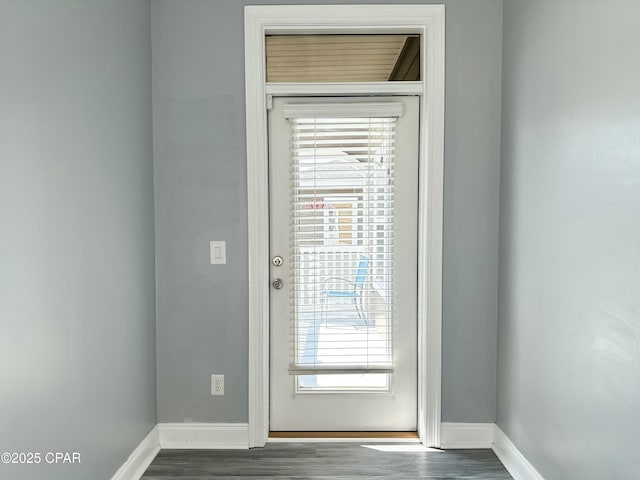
point(342, 58)
point(341, 234)
point(364, 382)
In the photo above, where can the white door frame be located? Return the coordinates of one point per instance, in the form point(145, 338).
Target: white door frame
point(428, 21)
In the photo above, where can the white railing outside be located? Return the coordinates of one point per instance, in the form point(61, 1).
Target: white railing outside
point(323, 262)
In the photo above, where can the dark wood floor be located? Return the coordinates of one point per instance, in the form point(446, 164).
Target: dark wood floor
point(324, 461)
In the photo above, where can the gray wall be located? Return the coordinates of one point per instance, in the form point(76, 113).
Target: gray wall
point(569, 323)
point(200, 182)
point(77, 340)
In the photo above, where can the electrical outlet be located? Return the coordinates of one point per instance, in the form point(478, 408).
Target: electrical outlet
point(217, 384)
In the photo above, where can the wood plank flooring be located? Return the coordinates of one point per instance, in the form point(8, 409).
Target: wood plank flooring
point(315, 461)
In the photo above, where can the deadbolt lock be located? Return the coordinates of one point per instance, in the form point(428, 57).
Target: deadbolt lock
point(277, 260)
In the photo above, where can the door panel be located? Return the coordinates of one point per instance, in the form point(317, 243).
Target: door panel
point(343, 220)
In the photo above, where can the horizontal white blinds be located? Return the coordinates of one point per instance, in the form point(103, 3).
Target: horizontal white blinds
point(341, 240)
point(343, 110)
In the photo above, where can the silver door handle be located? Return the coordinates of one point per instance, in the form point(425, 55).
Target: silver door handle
point(277, 283)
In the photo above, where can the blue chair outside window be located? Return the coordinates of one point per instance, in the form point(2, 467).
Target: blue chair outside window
point(352, 289)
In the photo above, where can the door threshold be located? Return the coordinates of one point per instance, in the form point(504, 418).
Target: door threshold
point(366, 436)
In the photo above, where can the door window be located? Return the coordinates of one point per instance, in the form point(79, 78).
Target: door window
point(341, 249)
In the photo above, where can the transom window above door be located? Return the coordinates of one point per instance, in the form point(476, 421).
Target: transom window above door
point(342, 58)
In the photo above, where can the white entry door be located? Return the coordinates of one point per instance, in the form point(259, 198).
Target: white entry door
point(343, 242)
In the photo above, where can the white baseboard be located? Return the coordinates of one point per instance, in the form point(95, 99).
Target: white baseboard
point(140, 458)
point(466, 435)
point(513, 460)
point(204, 435)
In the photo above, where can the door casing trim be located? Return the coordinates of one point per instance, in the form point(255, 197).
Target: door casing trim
point(428, 21)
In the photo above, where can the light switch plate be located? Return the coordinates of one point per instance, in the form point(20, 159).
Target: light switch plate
point(218, 252)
